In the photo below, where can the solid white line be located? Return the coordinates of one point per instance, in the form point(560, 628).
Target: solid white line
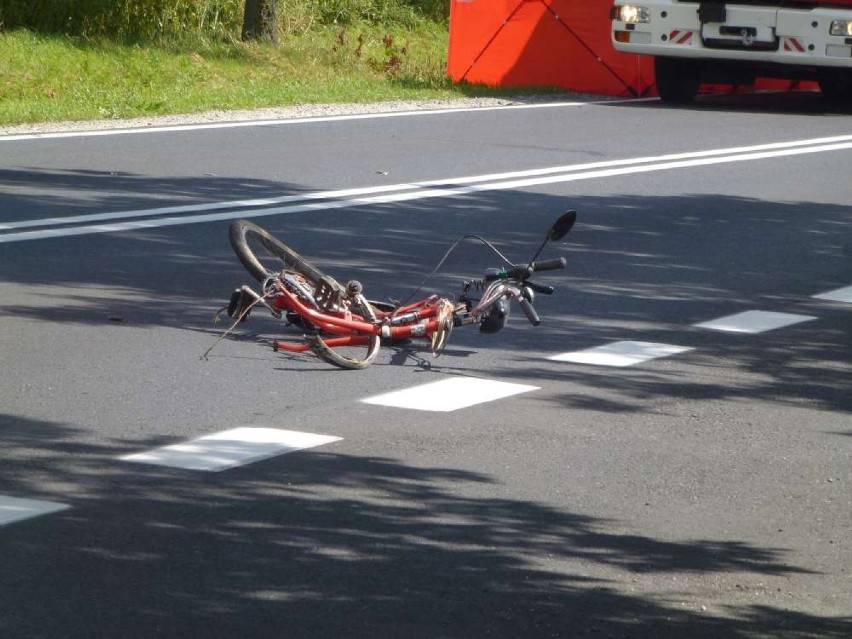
point(190, 208)
point(445, 188)
point(230, 448)
point(172, 221)
point(460, 181)
point(449, 394)
point(295, 120)
point(775, 146)
point(663, 166)
point(14, 509)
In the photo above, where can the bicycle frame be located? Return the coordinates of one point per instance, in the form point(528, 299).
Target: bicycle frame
point(416, 320)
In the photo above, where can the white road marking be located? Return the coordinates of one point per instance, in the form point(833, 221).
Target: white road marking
point(451, 187)
point(625, 353)
point(295, 120)
point(449, 394)
point(837, 295)
point(754, 322)
point(230, 448)
point(14, 509)
point(195, 208)
point(355, 193)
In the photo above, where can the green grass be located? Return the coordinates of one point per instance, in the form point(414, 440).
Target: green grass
point(58, 77)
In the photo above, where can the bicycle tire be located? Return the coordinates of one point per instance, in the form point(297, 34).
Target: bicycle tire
point(243, 234)
point(350, 359)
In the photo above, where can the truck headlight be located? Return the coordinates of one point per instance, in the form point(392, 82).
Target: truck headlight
point(841, 28)
point(631, 13)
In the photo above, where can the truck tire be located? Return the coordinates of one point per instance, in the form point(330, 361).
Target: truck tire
point(677, 79)
point(836, 84)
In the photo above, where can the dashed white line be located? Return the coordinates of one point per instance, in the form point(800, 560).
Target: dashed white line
point(753, 322)
point(837, 295)
point(619, 354)
point(449, 394)
point(14, 509)
point(230, 448)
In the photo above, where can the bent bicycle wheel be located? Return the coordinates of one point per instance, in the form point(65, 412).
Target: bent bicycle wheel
point(264, 255)
point(354, 356)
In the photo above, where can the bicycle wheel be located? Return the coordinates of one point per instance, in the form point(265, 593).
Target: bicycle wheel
point(264, 255)
point(351, 356)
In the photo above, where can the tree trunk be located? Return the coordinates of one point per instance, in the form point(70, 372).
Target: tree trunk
point(260, 21)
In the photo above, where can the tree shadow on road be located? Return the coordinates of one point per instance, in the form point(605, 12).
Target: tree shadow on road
point(320, 544)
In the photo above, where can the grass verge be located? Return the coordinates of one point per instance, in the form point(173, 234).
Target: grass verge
point(46, 78)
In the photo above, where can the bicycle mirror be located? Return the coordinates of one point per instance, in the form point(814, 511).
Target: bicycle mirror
point(561, 227)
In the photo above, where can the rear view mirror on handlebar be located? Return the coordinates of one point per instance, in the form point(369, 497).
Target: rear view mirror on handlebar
point(561, 227)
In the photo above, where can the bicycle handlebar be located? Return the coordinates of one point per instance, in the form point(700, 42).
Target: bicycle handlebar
point(521, 272)
point(501, 282)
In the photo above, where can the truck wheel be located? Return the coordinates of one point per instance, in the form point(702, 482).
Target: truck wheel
point(677, 80)
point(836, 84)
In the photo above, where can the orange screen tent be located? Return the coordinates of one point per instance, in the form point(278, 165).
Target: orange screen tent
point(555, 43)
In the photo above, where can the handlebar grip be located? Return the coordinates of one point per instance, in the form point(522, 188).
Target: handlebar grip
point(539, 288)
point(549, 265)
point(529, 311)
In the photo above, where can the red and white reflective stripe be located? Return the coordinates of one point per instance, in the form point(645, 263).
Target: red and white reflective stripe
point(793, 44)
point(681, 37)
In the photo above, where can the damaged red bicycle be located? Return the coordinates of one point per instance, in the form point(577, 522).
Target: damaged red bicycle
point(342, 327)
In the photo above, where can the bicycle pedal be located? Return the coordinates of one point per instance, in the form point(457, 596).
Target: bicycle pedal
point(238, 304)
point(327, 294)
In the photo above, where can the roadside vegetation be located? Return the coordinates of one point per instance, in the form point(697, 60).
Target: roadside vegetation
point(68, 60)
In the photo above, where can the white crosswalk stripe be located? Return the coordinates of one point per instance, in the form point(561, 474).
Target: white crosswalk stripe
point(624, 353)
point(14, 509)
point(230, 448)
point(449, 394)
point(837, 295)
point(753, 322)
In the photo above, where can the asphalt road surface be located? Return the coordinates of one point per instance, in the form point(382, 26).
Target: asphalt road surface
point(667, 455)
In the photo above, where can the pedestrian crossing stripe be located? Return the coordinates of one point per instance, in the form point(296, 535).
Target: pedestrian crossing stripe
point(13, 509)
point(449, 394)
point(230, 448)
point(754, 322)
point(837, 295)
point(620, 354)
